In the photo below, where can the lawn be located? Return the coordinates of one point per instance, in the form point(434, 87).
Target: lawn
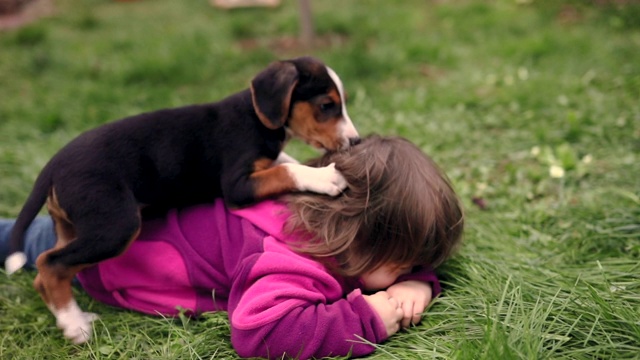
point(532, 108)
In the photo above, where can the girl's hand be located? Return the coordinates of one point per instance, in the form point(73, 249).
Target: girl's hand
point(388, 309)
point(413, 297)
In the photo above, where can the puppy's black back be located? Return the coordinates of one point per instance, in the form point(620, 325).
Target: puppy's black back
point(169, 157)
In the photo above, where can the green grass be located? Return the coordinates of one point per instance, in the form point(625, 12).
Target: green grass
point(498, 92)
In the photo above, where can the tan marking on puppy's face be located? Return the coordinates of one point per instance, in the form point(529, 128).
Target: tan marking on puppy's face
point(320, 121)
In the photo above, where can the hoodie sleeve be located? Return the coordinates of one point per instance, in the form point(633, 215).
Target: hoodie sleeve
point(283, 304)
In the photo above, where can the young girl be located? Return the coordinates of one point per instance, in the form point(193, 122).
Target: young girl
point(304, 276)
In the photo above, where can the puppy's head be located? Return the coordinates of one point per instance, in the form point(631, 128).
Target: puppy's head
point(307, 97)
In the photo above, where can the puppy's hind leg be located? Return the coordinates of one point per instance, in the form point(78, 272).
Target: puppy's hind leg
point(92, 237)
point(54, 285)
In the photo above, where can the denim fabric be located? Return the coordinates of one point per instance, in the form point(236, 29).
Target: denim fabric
point(39, 237)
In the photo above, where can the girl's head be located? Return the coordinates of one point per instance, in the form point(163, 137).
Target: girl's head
point(399, 210)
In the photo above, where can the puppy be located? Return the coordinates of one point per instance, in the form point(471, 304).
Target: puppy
point(95, 186)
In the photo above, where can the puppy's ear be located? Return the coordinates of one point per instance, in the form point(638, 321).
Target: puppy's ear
point(271, 93)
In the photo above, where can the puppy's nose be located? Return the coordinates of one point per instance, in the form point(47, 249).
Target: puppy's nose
point(354, 141)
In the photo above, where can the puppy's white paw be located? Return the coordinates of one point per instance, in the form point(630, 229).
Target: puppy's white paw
point(90, 317)
point(326, 180)
point(75, 324)
point(329, 181)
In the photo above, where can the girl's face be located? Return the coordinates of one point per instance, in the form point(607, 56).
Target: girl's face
point(383, 277)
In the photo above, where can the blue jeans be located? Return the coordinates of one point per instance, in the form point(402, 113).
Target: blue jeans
point(39, 237)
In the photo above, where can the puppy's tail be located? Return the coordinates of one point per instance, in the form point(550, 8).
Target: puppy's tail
point(29, 211)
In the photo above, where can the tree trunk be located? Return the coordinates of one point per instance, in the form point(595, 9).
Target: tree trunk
point(307, 33)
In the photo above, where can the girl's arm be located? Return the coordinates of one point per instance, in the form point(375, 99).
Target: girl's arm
point(284, 305)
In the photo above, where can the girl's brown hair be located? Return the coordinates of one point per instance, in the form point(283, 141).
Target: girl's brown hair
point(399, 208)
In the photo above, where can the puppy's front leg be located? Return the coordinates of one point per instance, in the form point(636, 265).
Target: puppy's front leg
point(324, 180)
point(284, 158)
point(270, 181)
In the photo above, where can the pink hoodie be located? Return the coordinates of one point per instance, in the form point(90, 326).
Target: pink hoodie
point(208, 258)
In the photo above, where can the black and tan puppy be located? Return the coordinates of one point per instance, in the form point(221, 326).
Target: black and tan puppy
point(95, 186)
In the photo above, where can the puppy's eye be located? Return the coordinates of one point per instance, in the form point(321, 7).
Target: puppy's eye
point(327, 106)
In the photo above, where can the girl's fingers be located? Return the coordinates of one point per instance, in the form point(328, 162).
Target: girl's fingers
point(393, 302)
point(412, 314)
point(416, 318)
point(399, 315)
point(408, 314)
